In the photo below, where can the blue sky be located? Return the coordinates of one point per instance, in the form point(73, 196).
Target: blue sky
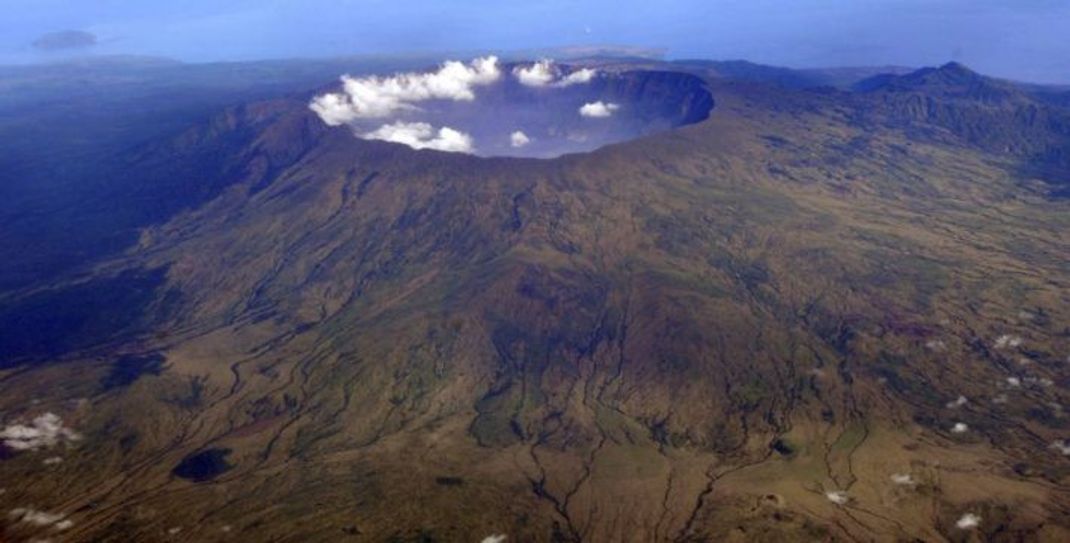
point(1023, 39)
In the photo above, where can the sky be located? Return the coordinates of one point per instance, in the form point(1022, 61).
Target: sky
point(1019, 39)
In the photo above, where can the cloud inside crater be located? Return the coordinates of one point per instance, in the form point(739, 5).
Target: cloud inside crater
point(423, 110)
point(422, 136)
point(518, 139)
point(380, 97)
point(598, 110)
point(545, 73)
point(539, 74)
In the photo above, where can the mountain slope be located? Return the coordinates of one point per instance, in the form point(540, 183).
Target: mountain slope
point(694, 336)
point(997, 116)
point(71, 186)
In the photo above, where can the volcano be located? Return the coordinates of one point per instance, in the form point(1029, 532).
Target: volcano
point(736, 312)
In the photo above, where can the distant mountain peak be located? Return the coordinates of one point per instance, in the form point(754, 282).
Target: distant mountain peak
point(951, 80)
point(955, 67)
point(953, 73)
point(950, 74)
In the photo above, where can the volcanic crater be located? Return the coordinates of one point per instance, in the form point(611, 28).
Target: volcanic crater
point(539, 109)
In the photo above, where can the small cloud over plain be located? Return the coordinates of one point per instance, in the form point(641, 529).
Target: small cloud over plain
point(45, 431)
point(1007, 341)
point(935, 345)
point(903, 479)
point(837, 497)
point(968, 521)
point(1062, 446)
point(35, 517)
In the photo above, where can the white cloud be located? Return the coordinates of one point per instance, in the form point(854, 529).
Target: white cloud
point(496, 538)
point(1038, 381)
point(40, 518)
point(903, 479)
point(583, 75)
point(598, 109)
point(1007, 340)
point(959, 428)
point(1062, 446)
point(379, 97)
point(837, 497)
point(935, 345)
point(967, 521)
point(45, 431)
point(545, 73)
point(539, 74)
point(519, 139)
point(423, 136)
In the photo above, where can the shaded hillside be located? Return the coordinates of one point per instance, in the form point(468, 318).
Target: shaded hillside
point(68, 193)
point(703, 335)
